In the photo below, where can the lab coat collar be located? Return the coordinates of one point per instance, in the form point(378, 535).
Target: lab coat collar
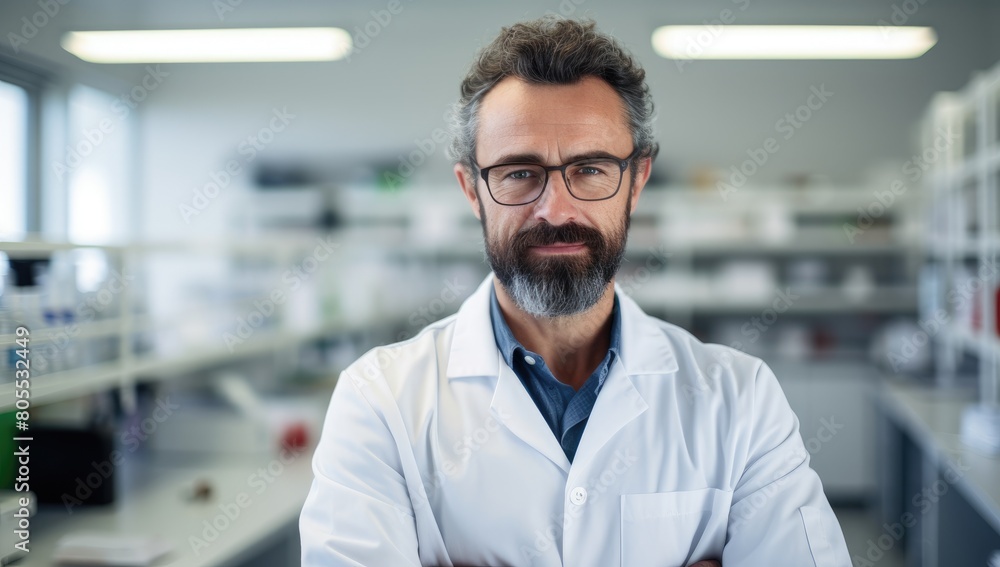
point(645, 348)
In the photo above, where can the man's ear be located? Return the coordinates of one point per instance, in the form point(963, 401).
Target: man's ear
point(468, 184)
point(641, 177)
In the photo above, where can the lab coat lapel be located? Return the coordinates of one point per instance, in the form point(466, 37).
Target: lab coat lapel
point(617, 404)
point(645, 350)
point(513, 406)
point(474, 352)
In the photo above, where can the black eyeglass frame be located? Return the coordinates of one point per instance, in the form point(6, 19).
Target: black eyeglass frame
point(623, 163)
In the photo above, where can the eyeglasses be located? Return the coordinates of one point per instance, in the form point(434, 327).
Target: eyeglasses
point(592, 179)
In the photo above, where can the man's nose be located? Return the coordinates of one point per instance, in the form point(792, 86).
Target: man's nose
point(556, 205)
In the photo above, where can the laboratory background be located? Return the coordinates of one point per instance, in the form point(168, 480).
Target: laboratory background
point(199, 232)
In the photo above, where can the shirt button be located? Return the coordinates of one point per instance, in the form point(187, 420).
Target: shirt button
point(530, 360)
point(578, 495)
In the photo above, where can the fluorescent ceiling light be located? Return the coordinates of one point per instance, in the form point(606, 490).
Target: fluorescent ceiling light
point(792, 42)
point(209, 46)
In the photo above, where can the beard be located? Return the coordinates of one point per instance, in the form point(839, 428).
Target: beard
point(557, 285)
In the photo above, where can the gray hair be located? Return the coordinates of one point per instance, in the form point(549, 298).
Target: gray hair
point(552, 50)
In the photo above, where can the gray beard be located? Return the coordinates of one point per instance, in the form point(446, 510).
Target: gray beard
point(544, 297)
point(558, 287)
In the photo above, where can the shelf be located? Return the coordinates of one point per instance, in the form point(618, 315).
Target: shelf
point(791, 247)
point(102, 328)
point(826, 200)
point(65, 385)
point(261, 342)
point(883, 300)
point(961, 249)
point(30, 247)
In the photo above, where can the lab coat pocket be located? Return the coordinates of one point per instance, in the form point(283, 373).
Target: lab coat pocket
point(673, 529)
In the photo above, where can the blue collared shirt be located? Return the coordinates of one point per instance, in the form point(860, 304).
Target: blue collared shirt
point(564, 409)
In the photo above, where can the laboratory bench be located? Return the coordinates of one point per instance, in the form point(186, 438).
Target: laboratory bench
point(940, 499)
point(174, 499)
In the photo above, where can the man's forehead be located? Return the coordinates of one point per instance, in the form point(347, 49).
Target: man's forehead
point(588, 111)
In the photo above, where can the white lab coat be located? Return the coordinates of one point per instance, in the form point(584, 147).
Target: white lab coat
point(433, 453)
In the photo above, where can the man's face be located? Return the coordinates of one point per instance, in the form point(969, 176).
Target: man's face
point(556, 255)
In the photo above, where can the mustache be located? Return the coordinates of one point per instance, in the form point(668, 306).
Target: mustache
point(545, 234)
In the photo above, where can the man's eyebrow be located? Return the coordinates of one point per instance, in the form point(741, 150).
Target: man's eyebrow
point(537, 159)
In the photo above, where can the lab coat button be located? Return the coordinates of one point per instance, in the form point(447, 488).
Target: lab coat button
point(530, 360)
point(578, 496)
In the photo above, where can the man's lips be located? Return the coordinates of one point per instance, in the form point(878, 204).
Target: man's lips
point(561, 247)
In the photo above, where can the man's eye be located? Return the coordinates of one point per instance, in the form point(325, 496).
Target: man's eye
point(521, 174)
point(590, 170)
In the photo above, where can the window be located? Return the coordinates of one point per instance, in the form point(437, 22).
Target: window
point(97, 182)
point(14, 111)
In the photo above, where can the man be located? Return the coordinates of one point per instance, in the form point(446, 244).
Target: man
point(550, 421)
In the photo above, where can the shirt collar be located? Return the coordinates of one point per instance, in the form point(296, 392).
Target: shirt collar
point(508, 344)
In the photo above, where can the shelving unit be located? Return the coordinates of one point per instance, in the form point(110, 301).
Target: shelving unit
point(794, 241)
point(962, 244)
point(924, 429)
point(143, 350)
